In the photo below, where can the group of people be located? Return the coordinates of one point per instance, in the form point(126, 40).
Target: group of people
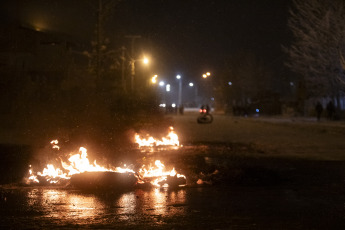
point(330, 110)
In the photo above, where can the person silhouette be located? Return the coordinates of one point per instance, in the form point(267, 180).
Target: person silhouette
point(318, 109)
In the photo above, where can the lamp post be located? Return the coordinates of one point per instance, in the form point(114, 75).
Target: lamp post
point(154, 79)
point(192, 85)
point(179, 90)
point(207, 89)
point(162, 85)
point(207, 74)
point(132, 63)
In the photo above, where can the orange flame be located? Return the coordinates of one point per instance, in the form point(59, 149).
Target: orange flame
point(157, 174)
point(170, 140)
point(79, 163)
point(54, 143)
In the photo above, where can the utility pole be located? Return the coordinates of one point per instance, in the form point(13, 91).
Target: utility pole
point(98, 38)
point(123, 59)
point(132, 62)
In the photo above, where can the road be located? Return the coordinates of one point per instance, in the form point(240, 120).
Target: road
point(281, 137)
point(261, 174)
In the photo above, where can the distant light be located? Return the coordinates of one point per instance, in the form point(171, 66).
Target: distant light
point(229, 83)
point(154, 79)
point(212, 98)
point(207, 74)
point(173, 105)
point(161, 83)
point(191, 84)
point(257, 110)
point(167, 87)
point(162, 105)
point(291, 83)
point(146, 60)
point(178, 76)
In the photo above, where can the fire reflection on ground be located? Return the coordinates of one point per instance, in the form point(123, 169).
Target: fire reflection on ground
point(72, 207)
point(127, 205)
point(58, 204)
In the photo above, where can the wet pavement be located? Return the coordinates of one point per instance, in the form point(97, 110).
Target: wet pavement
point(245, 185)
point(245, 193)
point(185, 208)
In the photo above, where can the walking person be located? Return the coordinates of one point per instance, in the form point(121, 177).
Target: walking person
point(330, 110)
point(318, 109)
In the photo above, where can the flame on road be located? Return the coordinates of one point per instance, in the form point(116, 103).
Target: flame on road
point(55, 144)
point(170, 140)
point(157, 173)
point(79, 163)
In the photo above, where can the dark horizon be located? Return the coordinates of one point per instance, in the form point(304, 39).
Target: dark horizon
point(182, 37)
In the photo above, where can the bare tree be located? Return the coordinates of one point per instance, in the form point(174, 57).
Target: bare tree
point(101, 58)
point(318, 27)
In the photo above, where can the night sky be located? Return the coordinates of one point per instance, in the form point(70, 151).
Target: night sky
point(186, 37)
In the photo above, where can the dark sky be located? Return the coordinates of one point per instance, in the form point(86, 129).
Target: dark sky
point(187, 37)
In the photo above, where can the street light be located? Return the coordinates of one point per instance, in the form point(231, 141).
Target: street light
point(146, 60)
point(179, 90)
point(191, 84)
point(154, 79)
point(207, 89)
point(132, 63)
point(207, 74)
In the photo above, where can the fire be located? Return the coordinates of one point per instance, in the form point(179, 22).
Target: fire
point(54, 143)
point(157, 174)
point(78, 163)
point(170, 140)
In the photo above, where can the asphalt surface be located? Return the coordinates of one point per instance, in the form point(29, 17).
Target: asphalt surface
point(257, 173)
point(275, 136)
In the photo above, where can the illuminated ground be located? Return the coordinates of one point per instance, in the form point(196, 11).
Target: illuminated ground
point(281, 137)
point(256, 174)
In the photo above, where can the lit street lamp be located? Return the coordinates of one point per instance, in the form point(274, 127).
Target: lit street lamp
point(207, 74)
point(179, 90)
point(132, 63)
point(146, 61)
point(192, 85)
point(167, 87)
point(207, 88)
point(154, 79)
point(162, 84)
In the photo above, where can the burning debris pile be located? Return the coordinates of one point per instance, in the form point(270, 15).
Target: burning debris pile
point(77, 171)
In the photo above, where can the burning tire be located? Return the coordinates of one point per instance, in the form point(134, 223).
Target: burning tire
point(174, 181)
point(104, 181)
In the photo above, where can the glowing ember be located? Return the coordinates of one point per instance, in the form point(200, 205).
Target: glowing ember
point(54, 143)
point(170, 140)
